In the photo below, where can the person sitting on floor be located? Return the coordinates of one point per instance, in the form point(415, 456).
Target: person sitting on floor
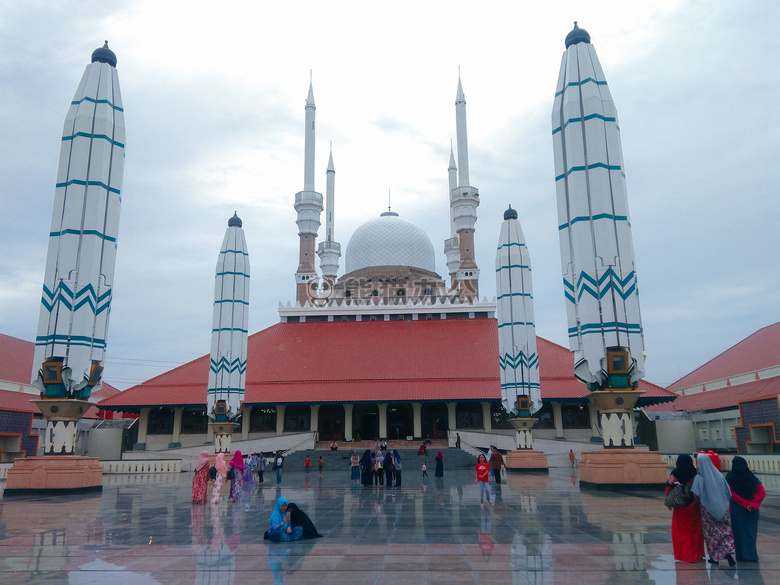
point(288, 522)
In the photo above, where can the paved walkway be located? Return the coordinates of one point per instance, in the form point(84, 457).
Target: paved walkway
point(143, 530)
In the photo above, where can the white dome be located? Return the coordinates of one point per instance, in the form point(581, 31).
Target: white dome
point(389, 240)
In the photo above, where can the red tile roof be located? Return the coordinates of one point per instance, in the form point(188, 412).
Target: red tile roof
point(351, 361)
point(721, 398)
point(16, 358)
point(10, 400)
point(757, 352)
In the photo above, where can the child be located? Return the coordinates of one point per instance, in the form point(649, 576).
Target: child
point(425, 470)
point(321, 463)
point(307, 464)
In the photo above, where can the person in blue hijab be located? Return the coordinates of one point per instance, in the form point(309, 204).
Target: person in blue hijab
point(398, 468)
point(280, 529)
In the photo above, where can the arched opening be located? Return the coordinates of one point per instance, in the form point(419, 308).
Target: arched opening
point(468, 415)
point(330, 422)
point(194, 421)
point(435, 420)
point(262, 419)
point(575, 415)
point(400, 421)
point(297, 417)
point(365, 422)
point(160, 421)
point(499, 417)
point(545, 416)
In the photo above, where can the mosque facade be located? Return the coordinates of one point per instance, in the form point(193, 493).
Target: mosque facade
point(390, 349)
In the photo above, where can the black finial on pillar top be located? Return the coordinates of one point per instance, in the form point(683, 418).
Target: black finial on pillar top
point(510, 213)
point(577, 35)
point(235, 221)
point(104, 55)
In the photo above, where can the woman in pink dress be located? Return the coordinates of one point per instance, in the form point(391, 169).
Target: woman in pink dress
point(222, 469)
point(200, 482)
point(237, 483)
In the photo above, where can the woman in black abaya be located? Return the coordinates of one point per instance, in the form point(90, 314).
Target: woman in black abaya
point(365, 468)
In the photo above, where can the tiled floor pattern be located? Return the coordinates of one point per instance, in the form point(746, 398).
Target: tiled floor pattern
point(143, 530)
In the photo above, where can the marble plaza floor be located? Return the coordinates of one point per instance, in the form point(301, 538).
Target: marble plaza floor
point(143, 530)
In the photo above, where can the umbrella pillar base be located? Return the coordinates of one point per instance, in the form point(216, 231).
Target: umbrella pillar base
point(607, 468)
point(526, 460)
point(54, 474)
point(223, 433)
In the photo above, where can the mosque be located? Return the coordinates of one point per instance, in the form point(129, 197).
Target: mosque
point(387, 350)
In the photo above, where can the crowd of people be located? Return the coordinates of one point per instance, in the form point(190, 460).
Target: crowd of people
point(719, 512)
point(240, 471)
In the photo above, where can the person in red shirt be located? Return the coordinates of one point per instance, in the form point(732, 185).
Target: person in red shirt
point(483, 480)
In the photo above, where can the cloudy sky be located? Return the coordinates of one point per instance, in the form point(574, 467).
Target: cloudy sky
point(214, 105)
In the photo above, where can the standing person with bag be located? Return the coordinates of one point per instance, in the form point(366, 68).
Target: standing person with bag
point(278, 466)
point(714, 495)
point(747, 493)
point(496, 462)
point(687, 535)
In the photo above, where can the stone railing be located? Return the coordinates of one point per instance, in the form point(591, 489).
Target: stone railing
point(760, 464)
point(141, 466)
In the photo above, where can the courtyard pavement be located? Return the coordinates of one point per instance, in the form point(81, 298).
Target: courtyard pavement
point(143, 530)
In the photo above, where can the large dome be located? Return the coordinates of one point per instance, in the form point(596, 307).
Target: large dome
point(389, 240)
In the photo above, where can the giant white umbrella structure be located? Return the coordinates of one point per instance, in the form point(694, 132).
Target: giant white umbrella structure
point(227, 366)
point(518, 358)
point(70, 343)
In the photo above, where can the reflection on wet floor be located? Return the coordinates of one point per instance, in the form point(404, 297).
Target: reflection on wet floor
point(541, 529)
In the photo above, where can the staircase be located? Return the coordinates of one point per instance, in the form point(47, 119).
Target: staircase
point(340, 459)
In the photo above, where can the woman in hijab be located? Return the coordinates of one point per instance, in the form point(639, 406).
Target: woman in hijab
point(747, 493)
point(354, 466)
point(280, 529)
point(222, 470)
point(200, 482)
point(237, 483)
point(687, 536)
point(365, 467)
point(398, 468)
point(713, 493)
point(439, 465)
point(389, 469)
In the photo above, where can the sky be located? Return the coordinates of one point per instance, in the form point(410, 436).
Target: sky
point(214, 99)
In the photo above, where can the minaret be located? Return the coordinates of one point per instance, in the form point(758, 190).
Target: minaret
point(464, 200)
point(597, 250)
point(329, 251)
point(229, 332)
point(451, 246)
point(78, 280)
point(308, 204)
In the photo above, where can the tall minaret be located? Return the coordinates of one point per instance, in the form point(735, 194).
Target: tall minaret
point(308, 204)
point(451, 246)
point(79, 276)
point(329, 251)
point(464, 200)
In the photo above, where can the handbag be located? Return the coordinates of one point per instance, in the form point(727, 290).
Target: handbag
point(231, 474)
point(678, 497)
point(212, 472)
